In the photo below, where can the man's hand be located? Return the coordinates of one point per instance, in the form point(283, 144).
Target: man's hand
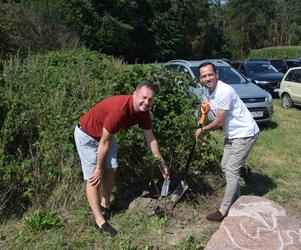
point(205, 107)
point(95, 179)
point(197, 133)
point(165, 171)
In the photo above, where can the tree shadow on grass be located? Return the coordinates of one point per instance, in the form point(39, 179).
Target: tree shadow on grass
point(256, 182)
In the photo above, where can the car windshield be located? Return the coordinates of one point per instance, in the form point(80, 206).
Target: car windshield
point(226, 74)
point(260, 67)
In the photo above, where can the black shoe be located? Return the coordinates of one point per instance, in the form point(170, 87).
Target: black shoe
point(106, 228)
point(106, 213)
point(216, 216)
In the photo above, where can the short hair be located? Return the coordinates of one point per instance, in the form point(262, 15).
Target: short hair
point(148, 85)
point(207, 64)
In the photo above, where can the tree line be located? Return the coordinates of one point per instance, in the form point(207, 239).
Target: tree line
point(149, 30)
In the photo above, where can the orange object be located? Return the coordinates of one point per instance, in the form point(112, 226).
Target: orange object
point(205, 108)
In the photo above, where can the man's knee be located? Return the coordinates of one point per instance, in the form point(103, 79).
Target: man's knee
point(231, 175)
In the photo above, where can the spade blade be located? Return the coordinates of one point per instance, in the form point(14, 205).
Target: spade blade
point(165, 188)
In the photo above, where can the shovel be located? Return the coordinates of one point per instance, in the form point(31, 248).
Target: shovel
point(165, 188)
point(182, 187)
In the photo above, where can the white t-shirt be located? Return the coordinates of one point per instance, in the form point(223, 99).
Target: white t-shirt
point(238, 122)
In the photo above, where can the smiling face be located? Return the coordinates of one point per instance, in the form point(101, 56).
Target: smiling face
point(209, 77)
point(143, 99)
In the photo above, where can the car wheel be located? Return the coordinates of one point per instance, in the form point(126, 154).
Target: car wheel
point(286, 101)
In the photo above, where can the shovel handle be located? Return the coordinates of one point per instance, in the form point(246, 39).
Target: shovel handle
point(205, 108)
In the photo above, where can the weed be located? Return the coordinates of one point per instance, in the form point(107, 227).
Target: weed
point(158, 224)
point(190, 243)
point(42, 220)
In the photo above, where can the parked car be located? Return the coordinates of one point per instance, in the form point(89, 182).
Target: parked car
point(290, 88)
point(261, 73)
point(258, 101)
point(279, 64)
point(293, 62)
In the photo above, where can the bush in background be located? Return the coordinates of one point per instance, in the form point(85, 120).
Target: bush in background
point(43, 98)
point(276, 52)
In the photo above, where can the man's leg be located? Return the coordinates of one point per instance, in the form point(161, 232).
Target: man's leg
point(108, 180)
point(107, 186)
point(87, 150)
point(94, 202)
point(226, 156)
point(237, 151)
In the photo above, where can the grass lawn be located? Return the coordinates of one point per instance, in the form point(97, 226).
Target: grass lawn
point(275, 173)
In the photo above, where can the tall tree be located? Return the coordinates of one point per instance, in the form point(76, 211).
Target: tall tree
point(247, 23)
point(286, 25)
point(215, 43)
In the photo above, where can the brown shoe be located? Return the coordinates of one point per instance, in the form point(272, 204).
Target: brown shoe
point(216, 216)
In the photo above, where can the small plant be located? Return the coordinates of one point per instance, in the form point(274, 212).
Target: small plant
point(158, 224)
point(43, 220)
point(189, 242)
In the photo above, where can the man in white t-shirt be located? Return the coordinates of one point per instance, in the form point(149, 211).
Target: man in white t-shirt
point(241, 133)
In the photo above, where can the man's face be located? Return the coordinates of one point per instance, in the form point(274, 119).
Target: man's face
point(143, 99)
point(208, 77)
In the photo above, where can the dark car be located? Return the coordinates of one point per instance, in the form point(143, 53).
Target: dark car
point(261, 73)
point(258, 101)
point(293, 62)
point(278, 64)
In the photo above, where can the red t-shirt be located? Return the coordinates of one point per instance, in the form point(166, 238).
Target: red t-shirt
point(114, 113)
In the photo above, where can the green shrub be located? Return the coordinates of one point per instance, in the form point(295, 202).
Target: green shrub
point(276, 52)
point(43, 98)
point(42, 220)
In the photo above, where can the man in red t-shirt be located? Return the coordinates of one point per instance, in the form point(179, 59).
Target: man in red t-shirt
point(98, 150)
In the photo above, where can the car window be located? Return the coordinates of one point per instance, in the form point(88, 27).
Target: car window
point(195, 72)
point(292, 64)
point(242, 69)
point(279, 65)
point(260, 67)
point(172, 67)
point(289, 76)
point(229, 75)
point(184, 70)
point(294, 76)
point(297, 76)
point(235, 65)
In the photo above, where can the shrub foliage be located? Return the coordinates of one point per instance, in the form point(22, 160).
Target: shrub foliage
point(282, 52)
point(42, 100)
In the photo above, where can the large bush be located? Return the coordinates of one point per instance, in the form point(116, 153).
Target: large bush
point(283, 52)
point(42, 100)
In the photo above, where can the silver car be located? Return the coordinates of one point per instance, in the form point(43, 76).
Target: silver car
point(258, 101)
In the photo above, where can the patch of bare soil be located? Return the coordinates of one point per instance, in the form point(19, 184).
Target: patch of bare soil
point(187, 218)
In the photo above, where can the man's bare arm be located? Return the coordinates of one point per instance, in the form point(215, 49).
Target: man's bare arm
point(153, 145)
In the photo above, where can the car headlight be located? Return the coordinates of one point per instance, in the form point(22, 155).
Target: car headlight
point(262, 82)
point(269, 98)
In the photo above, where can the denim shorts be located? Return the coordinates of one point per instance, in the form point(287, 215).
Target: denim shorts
point(87, 150)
